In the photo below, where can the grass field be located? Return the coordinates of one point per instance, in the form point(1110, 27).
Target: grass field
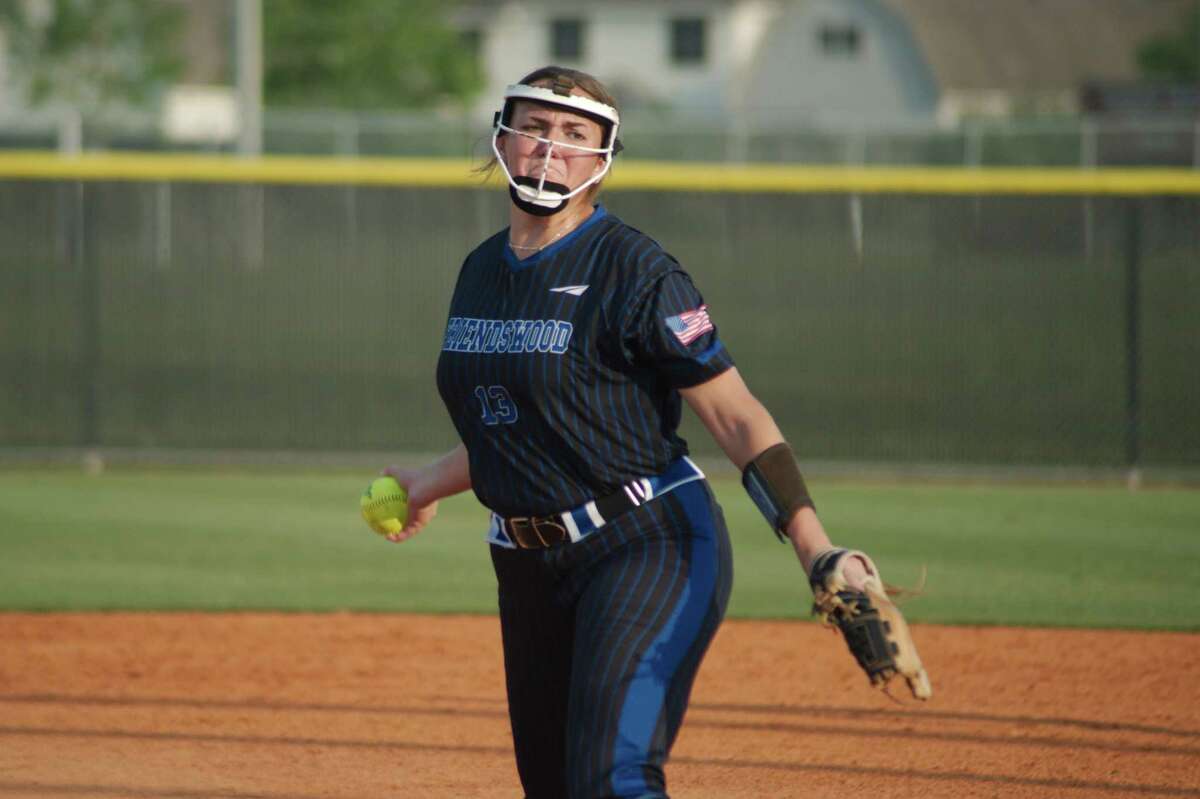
point(994, 554)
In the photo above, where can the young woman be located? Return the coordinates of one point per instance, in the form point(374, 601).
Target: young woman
point(571, 343)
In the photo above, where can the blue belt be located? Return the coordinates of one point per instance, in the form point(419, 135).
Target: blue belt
point(539, 532)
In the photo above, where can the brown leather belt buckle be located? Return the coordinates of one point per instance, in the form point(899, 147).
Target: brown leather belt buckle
point(549, 530)
point(519, 529)
point(536, 532)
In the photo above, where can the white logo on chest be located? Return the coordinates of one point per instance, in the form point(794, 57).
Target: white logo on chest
point(574, 291)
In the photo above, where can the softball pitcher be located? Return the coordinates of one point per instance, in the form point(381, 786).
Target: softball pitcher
point(572, 341)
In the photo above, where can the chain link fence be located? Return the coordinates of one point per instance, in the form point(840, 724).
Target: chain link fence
point(905, 328)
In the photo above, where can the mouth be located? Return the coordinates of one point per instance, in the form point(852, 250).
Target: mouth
point(551, 174)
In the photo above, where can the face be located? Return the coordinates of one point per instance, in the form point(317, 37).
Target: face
point(526, 156)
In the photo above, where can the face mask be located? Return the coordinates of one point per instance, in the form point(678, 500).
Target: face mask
point(539, 196)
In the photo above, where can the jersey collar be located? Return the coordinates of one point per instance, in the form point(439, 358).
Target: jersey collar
point(516, 264)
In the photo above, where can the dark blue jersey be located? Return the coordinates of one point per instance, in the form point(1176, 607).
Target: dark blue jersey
point(561, 371)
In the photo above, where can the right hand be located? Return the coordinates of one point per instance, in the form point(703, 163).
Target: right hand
point(422, 506)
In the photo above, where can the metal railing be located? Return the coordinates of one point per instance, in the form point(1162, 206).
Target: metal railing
point(1083, 142)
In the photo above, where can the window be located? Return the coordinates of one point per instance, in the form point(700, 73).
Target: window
point(566, 39)
point(688, 40)
point(839, 39)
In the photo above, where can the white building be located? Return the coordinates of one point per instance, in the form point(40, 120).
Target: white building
point(769, 60)
point(822, 62)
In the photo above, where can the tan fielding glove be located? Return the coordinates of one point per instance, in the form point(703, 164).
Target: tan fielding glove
point(871, 623)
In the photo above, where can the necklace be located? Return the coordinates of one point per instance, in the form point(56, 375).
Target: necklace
point(531, 249)
point(540, 247)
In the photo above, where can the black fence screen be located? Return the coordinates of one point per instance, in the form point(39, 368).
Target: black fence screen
point(1022, 330)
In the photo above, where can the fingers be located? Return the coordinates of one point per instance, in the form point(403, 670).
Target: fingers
point(411, 480)
point(401, 476)
point(408, 532)
point(417, 520)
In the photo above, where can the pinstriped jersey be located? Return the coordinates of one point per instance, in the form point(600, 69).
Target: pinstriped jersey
point(561, 371)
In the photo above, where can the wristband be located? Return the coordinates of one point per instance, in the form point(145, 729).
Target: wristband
point(773, 481)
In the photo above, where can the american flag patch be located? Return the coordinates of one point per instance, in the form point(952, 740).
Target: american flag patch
point(690, 325)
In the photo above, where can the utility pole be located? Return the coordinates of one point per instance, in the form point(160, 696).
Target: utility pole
point(249, 77)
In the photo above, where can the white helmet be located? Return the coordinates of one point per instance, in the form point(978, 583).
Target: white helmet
point(542, 197)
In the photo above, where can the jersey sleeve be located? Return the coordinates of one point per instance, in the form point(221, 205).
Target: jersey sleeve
point(671, 328)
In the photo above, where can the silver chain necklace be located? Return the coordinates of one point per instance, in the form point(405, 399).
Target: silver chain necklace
point(539, 247)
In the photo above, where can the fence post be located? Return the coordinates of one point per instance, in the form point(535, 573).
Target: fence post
point(1087, 160)
point(1088, 150)
point(856, 156)
point(89, 320)
point(973, 155)
point(162, 225)
point(973, 143)
point(1133, 247)
point(70, 132)
point(347, 135)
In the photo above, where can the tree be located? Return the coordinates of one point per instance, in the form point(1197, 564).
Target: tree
point(1174, 56)
point(93, 55)
point(364, 54)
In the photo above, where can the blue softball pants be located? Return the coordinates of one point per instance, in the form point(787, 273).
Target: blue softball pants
point(602, 642)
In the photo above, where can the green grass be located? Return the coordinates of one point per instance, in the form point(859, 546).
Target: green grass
point(994, 554)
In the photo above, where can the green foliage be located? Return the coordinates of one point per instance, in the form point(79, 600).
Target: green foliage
point(93, 54)
point(1174, 56)
point(201, 540)
point(364, 54)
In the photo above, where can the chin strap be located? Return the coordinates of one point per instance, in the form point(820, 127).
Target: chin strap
point(536, 208)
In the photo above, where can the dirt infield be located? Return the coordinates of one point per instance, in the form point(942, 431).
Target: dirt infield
point(258, 706)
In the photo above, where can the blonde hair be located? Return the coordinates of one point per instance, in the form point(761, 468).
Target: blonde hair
point(589, 84)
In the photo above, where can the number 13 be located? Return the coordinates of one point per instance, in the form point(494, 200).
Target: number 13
point(501, 409)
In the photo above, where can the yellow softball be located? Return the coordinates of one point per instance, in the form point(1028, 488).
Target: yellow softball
point(384, 506)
